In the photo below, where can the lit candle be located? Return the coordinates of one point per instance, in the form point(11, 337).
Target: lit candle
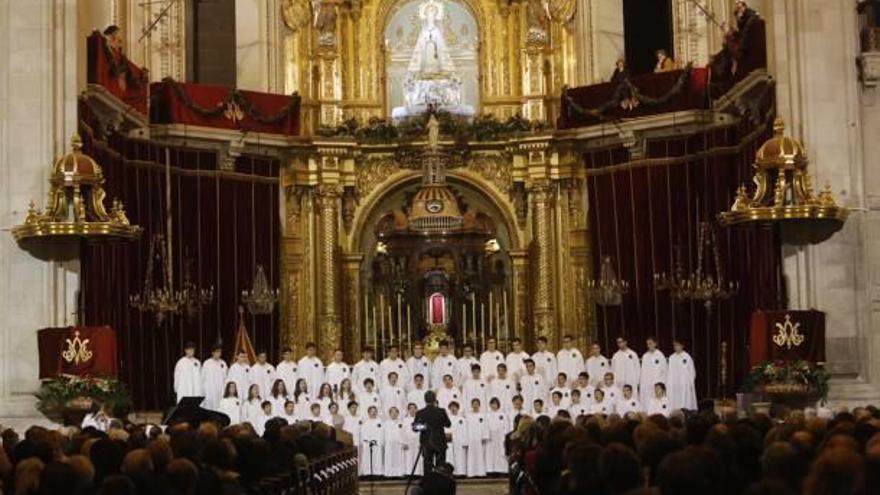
point(474, 315)
point(408, 327)
point(390, 325)
point(483, 327)
point(366, 320)
point(491, 320)
point(375, 330)
point(506, 327)
point(464, 320)
point(399, 321)
point(497, 319)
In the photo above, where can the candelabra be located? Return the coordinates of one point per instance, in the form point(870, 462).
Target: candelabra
point(608, 290)
point(260, 300)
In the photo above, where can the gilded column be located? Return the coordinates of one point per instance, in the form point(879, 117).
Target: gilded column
point(544, 318)
point(353, 305)
point(328, 210)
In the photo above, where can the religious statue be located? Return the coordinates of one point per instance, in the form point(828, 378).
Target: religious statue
point(324, 12)
point(433, 127)
point(537, 19)
point(430, 55)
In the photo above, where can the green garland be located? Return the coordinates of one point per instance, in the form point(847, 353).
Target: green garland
point(55, 394)
point(793, 373)
point(234, 96)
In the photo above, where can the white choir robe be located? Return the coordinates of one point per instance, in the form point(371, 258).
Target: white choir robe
point(289, 372)
point(545, 362)
point(503, 390)
point(363, 370)
point(500, 425)
point(393, 446)
point(653, 370)
point(231, 407)
point(418, 366)
point(601, 407)
point(352, 425)
point(553, 409)
point(625, 406)
point(290, 418)
point(566, 395)
point(187, 378)
point(533, 387)
point(312, 370)
point(580, 409)
point(367, 399)
point(416, 396)
point(442, 366)
point(392, 396)
point(570, 362)
point(336, 372)
point(625, 366)
point(463, 367)
point(213, 382)
point(263, 375)
point(680, 382)
point(587, 393)
point(397, 366)
point(371, 459)
point(411, 447)
point(489, 362)
point(597, 366)
point(447, 395)
point(252, 412)
point(278, 404)
point(474, 389)
point(612, 394)
point(458, 453)
point(515, 366)
point(477, 437)
point(518, 412)
point(260, 423)
point(659, 406)
point(241, 375)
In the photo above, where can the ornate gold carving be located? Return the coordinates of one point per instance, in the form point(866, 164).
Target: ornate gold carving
point(77, 350)
point(372, 171)
point(293, 197)
point(496, 170)
point(349, 206)
point(788, 334)
point(542, 296)
point(328, 200)
point(296, 14)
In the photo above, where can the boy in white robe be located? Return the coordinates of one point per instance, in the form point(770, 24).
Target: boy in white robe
point(393, 443)
point(628, 402)
point(287, 369)
point(545, 361)
point(213, 379)
point(625, 364)
point(392, 363)
point(610, 391)
point(562, 387)
point(372, 437)
point(597, 365)
point(653, 370)
point(599, 406)
point(416, 395)
point(230, 404)
point(680, 379)
point(519, 408)
point(444, 364)
point(538, 409)
point(659, 404)
point(188, 374)
point(556, 404)
point(448, 394)
point(363, 369)
point(391, 395)
point(569, 360)
point(311, 368)
point(369, 398)
point(516, 360)
point(464, 364)
point(477, 437)
point(490, 359)
point(337, 370)
point(316, 414)
point(532, 384)
point(289, 413)
point(240, 373)
point(500, 425)
point(502, 388)
point(474, 387)
point(457, 453)
point(411, 441)
point(352, 424)
point(418, 364)
point(584, 385)
point(263, 374)
point(578, 406)
point(264, 417)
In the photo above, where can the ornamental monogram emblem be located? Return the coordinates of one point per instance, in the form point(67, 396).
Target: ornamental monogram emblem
point(788, 334)
point(77, 350)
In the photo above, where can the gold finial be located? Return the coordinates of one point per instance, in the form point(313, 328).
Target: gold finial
point(76, 142)
point(779, 126)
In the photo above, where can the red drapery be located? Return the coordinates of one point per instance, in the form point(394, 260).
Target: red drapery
point(224, 223)
point(641, 211)
point(810, 326)
point(118, 75)
point(438, 309)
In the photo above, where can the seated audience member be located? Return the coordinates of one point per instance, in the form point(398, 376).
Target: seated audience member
point(664, 62)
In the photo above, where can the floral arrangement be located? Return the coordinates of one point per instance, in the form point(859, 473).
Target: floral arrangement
point(65, 392)
point(789, 378)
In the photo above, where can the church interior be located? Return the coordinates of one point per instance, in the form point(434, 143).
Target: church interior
point(273, 177)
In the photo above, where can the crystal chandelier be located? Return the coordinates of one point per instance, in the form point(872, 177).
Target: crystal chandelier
point(260, 300)
point(608, 290)
point(698, 285)
point(165, 300)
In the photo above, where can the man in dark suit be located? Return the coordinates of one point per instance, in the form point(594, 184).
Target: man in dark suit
point(433, 436)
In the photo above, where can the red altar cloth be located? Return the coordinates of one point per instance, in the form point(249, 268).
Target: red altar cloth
point(692, 96)
point(58, 351)
point(118, 75)
point(221, 107)
point(769, 325)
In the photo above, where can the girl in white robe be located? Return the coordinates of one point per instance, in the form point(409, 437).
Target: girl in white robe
point(279, 397)
point(457, 453)
point(653, 370)
point(325, 397)
point(302, 398)
point(252, 410)
point(659, 404)
point(411, 441)
point(499, 426)
point(371, 440)
point(477, 437)
point(393, 445)
point(680, 379)
point(628, 403)
point(345, 393)
point(230, 404)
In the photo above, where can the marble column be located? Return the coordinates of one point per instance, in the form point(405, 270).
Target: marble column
point(328, 253)
point(543, 311)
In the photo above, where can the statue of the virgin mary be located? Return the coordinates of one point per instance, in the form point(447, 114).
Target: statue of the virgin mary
point(430, 55)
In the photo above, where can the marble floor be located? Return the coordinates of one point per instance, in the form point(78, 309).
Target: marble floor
point(465, 487)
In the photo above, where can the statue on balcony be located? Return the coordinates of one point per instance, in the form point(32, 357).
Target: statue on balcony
point(430, 55)
point(324, 12)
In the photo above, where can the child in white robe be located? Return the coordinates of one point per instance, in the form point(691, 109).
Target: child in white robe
point(561, 386)
point(610, 390)
point(392, 363)
point(464, 364)
point(363, 369)
point(444, 364)
point(538, 409)
point(578, 406)
point(457, 453)
point(625, 364)
point(628, 403)
point(325, 397)
point(597, 365)
point(352, 424)
point(263, 374)
point(502, 388)
point(555, 404)
point(392, 395)
point(311, 368)
point(213, 379)
point(371, 438)
point(346, 393)
point(289, 414)
point(369, 398)
point(653, 370)
point(337, 370)
point(532, 384)
point(302, 397)
point(599, 406)
point(411, 441)
point(393, 443)
point(239, 372)
point(585, 386)
point(569, 360)
point(253, 408)
point(230, 404)
point(188, 374)
point(287, 369)
point(417, 394)
point(278, 397)
point(477, 437)
point(659, 403)
point(680, 378)
point(518, 408)
point(490, 359)
point(499, 426)
point(475, 386)
point(264, 416)
point(316, 415)
point(449, 393)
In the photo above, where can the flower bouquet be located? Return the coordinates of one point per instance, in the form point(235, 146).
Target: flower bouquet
point(68, 398)
point(788, 381)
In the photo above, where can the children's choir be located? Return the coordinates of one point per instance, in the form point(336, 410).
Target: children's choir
point(377, 402)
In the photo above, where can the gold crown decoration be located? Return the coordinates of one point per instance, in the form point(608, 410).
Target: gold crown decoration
point(75, 208)
point(784, 194)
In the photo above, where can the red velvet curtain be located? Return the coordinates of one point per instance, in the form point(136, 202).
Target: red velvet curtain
point(224, 224)
point(643, 212)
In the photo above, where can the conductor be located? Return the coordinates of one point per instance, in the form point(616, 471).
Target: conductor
point(432, 420)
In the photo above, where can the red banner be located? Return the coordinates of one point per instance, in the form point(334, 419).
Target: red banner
point(77, 351)
point(787, 335)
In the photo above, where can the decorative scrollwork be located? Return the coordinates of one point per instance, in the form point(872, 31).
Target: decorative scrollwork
point(788, 334)
point(77, 350)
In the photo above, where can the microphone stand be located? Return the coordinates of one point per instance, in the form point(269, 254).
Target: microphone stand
point(372, 473)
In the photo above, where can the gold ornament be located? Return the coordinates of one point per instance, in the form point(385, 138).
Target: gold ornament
point(788, 334)
point(77, 350)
